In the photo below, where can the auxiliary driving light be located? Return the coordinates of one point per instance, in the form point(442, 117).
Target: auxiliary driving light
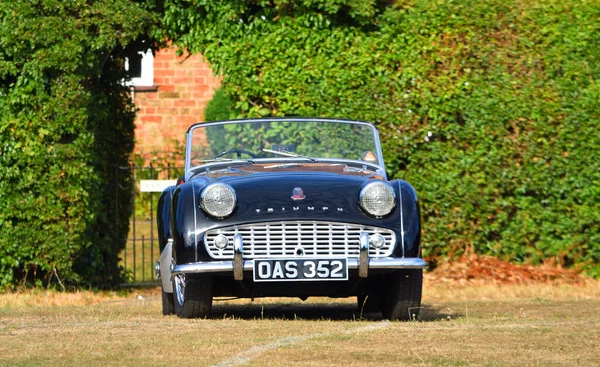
point(377, 240)
point(221, 241)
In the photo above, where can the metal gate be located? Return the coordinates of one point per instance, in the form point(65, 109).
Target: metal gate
point(142, 248)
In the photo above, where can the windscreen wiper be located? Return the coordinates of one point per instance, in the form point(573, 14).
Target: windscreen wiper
point(224, 160)
point(290, 154)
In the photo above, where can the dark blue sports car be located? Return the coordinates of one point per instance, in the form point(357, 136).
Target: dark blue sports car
point(290, 207)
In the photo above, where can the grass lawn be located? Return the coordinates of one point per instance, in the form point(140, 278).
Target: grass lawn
point(482, 325)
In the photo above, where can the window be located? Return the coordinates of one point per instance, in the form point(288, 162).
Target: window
point(141, 68)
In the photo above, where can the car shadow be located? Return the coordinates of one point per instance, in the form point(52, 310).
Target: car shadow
point(313, 311)
point(430, 313)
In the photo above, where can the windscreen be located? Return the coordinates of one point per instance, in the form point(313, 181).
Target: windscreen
point(282, 139)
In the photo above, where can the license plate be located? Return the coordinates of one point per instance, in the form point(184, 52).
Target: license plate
point(278, 270)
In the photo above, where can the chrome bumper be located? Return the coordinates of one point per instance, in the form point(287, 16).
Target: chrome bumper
point(239, 265)
point(247, 265)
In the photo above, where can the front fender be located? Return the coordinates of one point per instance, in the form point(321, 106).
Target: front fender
point(184, 211)
point(163, 215)
point(410, 219)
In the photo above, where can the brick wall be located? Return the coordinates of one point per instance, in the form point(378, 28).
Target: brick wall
point(182, 88)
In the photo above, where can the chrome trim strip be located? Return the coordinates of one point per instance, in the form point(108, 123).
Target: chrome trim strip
point(238, 261)
point(401, 218)
point(379, 151)
point(363, 265)
point(353, 263)
point(188, 153)
point(195, 222)
point(281, 119)
point(282, 160)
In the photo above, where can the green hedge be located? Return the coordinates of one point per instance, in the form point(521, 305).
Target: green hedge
point(220, 107)
point(66, 123)
point(490, 108)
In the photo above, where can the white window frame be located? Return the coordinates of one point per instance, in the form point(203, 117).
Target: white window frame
point(146, 78)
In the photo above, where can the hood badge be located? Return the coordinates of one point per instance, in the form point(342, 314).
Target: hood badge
point(298, 194)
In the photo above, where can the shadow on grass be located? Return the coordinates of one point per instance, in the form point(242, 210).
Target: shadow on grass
point(430, 313)
point(312, 311)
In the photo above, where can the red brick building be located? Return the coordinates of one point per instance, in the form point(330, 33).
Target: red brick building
point(170, 93)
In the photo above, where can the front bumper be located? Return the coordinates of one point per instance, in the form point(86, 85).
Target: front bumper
point(363, 263)
point(247, 265)
point(239, 265)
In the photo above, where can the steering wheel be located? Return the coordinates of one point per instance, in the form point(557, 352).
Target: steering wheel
point(239, 153)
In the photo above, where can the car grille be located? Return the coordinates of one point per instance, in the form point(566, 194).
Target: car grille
point(276, 239)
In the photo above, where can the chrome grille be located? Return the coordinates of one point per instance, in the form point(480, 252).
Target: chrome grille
point(276, 239)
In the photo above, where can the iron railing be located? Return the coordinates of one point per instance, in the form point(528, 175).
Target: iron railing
point(142, 249)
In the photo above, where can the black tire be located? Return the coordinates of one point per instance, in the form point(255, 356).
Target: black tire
point(168, 304)
point(192, 295)
point(370, 303)
point(402, 301)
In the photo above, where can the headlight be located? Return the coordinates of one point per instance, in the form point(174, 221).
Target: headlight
point(218, 200)
point(377, 198)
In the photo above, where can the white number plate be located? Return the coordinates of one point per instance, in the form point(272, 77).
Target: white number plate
point(278, 270)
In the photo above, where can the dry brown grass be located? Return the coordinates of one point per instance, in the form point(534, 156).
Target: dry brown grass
point(435, 290)
point(41, 298)
point(488, 325)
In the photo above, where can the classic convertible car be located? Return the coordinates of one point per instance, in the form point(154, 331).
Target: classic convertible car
point(290, 207)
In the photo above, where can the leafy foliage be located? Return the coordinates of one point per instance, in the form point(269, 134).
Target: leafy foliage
point(489, 108)
point(66, 122)
point(220, 107)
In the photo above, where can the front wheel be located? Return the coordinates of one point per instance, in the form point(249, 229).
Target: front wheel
point(402, 301)
point(192, 295)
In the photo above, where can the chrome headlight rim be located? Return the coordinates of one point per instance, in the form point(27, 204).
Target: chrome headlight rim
point(368, 187)
point(207, 190)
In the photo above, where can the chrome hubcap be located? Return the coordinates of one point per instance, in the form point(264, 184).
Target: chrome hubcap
point(180, 288)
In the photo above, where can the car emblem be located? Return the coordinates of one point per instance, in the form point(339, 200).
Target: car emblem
point(298, 194)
